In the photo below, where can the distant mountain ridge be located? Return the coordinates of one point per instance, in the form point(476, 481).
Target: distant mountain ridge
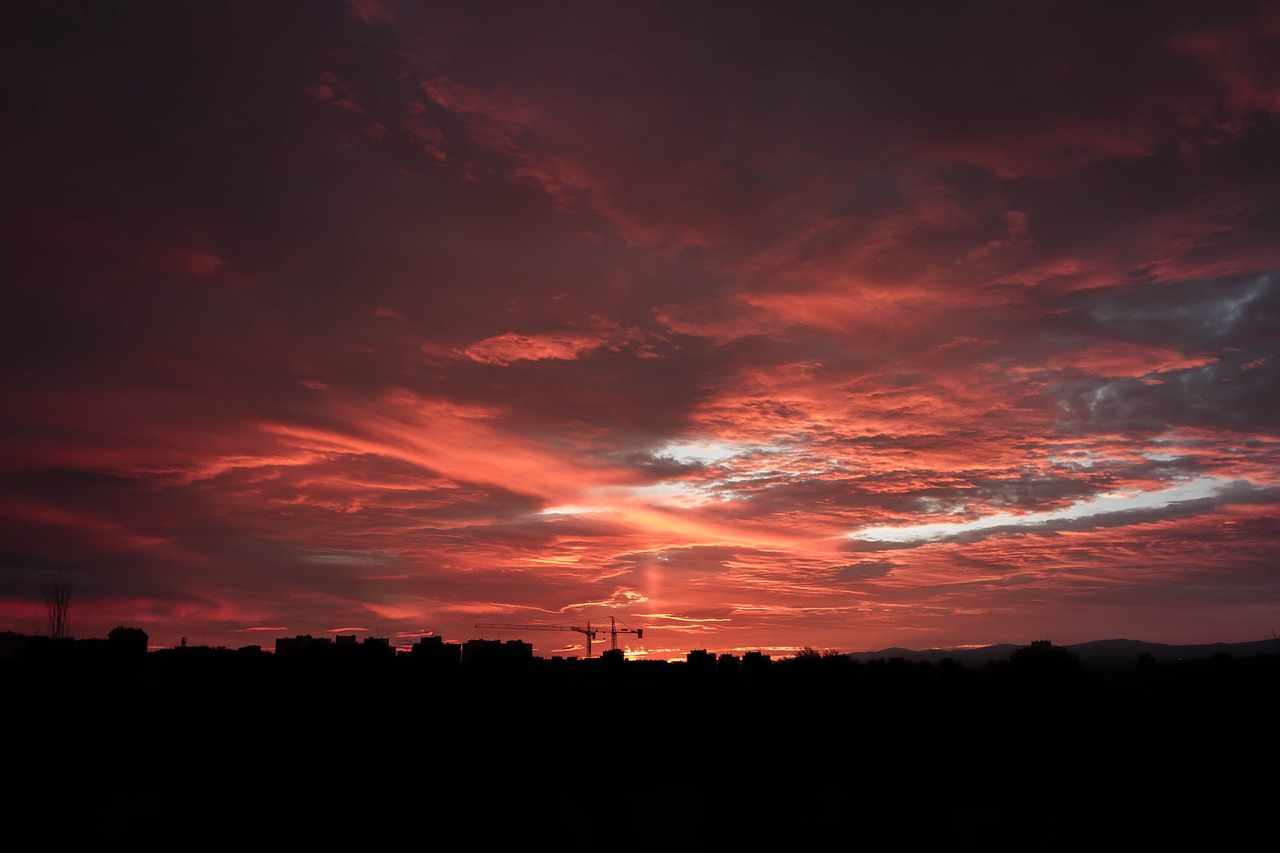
point(1119, 652)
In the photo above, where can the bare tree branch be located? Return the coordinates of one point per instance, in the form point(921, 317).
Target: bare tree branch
point(57, 605)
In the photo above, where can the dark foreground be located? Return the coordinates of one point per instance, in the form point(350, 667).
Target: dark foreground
point(824, 753)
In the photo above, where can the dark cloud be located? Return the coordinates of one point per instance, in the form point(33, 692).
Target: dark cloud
point(865, 569)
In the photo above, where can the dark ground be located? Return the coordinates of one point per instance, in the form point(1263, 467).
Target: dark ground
point(1033, 755)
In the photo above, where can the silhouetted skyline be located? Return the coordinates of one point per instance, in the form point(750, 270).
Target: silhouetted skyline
point(327, 743)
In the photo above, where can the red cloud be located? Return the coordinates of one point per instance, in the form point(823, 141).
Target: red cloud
point(509, 347)
point(1123, 359)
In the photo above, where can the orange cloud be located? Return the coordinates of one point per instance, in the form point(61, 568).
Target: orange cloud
point(1124, 359)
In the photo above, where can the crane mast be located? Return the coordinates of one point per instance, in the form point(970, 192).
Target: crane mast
point(614, 631)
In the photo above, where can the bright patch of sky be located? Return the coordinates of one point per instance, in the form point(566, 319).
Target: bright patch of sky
point(661, 494)
point(1201, 487)
point(711, 452)
point(671, 493)
point(665, 492)
point(570, 509)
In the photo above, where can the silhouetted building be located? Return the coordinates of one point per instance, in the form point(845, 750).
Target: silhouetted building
point(377, 647)
point(300, 643)
point(486, 652)
point(700, 659)
point(435, 651)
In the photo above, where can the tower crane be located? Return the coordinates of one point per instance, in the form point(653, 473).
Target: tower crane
point(613, 630)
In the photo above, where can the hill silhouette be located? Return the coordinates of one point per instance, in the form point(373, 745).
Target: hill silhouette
point(1099, 653)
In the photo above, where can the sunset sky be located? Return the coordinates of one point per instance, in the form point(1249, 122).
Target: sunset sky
point(752, 325)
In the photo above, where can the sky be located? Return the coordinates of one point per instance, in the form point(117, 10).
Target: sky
point(747, 325)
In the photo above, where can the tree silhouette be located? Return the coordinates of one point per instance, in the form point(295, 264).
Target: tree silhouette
point(57, 605)
point(130, 641)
